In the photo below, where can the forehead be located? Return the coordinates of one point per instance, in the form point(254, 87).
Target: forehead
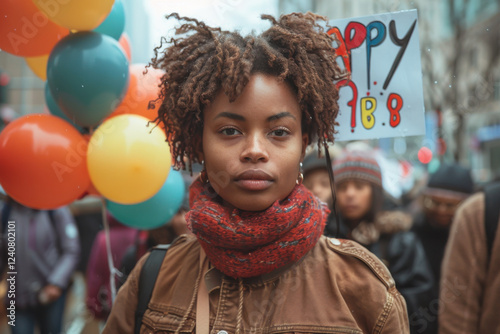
point(444, 196)
point(264, 95)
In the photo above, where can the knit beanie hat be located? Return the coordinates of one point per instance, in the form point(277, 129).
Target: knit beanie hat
point(357, 165)
point(452, 177)
point(312, 162)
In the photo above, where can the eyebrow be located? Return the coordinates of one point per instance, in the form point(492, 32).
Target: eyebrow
point(238, 117)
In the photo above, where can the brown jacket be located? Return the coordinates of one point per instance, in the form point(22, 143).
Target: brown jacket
point(338, 287)
point(469, 291)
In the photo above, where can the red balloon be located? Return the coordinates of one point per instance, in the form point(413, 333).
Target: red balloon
point(25, 31)
point(424, 155)
point(43, 161)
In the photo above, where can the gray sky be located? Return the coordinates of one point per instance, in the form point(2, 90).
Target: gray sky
point(229, 14)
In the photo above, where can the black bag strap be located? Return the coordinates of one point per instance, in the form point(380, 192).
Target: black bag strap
point(147, 280)
point(491, 213)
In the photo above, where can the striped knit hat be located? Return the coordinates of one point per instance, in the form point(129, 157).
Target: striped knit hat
point(357, 165)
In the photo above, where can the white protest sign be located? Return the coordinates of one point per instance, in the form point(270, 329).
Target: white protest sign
point(384, 97)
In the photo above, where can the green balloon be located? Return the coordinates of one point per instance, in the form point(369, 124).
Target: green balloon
point(56, 111)
point(156, 211)
point(88, 76)
point(114, 24)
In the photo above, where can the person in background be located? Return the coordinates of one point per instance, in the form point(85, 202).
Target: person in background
point(358, 185)
point(98, 296)
point(449, 186)
point(470, 284)
point(316, 179)
point(46, 254)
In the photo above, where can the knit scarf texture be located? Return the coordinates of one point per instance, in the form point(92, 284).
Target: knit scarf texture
point(245, 244)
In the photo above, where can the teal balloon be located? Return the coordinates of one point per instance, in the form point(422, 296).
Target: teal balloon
point(156, 211)
point(114, 24)
point(88, 76)
point(56, 111)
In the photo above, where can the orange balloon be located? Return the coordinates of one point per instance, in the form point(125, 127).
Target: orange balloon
point(25, 31)
point(38, 65)
point(124, 41)
point(142, 89)
point(43, 161)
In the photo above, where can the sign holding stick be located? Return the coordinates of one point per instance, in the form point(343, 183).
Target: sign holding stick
point(384, 97)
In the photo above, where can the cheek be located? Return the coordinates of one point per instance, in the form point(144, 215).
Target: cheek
point(366, 198)
point(340, 197)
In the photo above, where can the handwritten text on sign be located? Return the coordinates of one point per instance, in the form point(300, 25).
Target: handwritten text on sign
point(384, 97)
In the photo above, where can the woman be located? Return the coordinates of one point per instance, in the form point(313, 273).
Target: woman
point(46, 253)
point(258, 261)
point(358, 183)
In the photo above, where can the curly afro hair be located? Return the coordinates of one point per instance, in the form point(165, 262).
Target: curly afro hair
point(203, 60)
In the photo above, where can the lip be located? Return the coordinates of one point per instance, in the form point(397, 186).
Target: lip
point(254, 180)
point(350, 207)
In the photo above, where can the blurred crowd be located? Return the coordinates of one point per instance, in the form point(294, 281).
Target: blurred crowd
point(436, 237)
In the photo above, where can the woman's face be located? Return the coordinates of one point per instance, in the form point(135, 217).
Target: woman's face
point(354, 198)
point(318, 182)
point(252, 147)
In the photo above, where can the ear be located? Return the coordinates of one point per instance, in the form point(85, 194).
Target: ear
point(305, 142)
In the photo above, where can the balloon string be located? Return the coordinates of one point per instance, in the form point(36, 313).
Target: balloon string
point(112, 270)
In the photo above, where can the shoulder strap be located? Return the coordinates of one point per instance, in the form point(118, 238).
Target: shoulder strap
point(147, 280)
point(491, 213)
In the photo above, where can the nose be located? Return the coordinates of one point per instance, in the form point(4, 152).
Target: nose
point(254, 149)
point(317, 190)
point(350, 190)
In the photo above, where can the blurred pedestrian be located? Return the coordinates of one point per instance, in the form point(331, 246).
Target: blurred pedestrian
point(446, 188)
point(46, 255)
point(470, 284)
point(98, 295)
point(316, 179)
point(248, 107)
point(358, 183)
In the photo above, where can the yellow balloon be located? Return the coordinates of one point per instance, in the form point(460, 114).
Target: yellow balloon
point(38, 65)
point(76, 14)
point(128, 161)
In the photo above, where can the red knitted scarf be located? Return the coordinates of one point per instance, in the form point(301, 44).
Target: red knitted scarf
point(246, 243)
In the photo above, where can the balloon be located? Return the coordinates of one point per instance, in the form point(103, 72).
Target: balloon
point(114, 24)
point(38, 65)
point(142, 89)
point(56, 111)
point(76, 14)
point(43, 161)
point(128, 160)
point(88, 76)
point(424, 155)
point(125, 44)
point(156, 211)
point(25, 31)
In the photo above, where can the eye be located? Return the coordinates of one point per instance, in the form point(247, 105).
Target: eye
point(229, 132)
point(280, 132)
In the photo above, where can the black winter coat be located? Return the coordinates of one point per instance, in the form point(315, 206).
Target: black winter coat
point(391, 240)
